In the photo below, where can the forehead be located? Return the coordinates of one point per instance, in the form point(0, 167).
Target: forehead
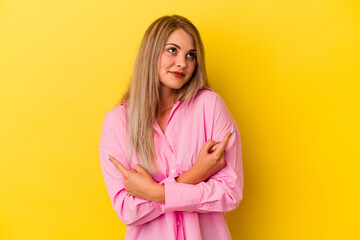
point(181, 38)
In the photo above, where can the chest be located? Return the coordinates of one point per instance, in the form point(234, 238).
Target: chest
point(177, 150)
point(163, 119)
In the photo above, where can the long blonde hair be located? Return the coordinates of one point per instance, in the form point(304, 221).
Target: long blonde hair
point(143, 91)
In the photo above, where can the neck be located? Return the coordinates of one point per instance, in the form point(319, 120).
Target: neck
point(167, 99)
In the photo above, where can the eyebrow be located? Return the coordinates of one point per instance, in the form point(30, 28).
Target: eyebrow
point(191, 50)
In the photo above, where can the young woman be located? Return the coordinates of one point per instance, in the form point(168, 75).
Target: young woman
point(167, 173)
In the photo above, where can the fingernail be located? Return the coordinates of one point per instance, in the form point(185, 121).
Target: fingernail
point(217, 141)
point(107, 156)
point(232, 130)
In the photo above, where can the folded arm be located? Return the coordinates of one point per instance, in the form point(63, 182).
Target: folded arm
point(223, 191)
point(131, 210)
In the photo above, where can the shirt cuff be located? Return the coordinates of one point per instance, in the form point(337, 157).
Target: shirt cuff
point(161, 206)
point(181, 196)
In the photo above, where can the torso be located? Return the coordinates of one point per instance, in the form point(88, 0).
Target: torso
point(163, 119)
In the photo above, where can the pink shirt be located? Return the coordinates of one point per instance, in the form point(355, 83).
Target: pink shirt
point(190, 212)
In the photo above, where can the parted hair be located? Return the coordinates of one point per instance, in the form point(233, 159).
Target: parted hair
point(142, 94)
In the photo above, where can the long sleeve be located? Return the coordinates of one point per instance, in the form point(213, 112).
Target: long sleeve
point(131, 210)
point(223, 191)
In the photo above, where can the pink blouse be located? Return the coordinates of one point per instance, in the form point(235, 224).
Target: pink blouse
point(191, 212)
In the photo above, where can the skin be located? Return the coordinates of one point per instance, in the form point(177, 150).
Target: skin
point(178, 55)
point(139, 183)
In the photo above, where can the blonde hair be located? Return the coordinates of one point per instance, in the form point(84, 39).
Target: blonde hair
point(143, 91)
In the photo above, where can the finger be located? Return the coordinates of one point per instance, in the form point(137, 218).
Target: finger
point(213, 148)
point(138, 168)
point(119, 166)
point(209, 144)
point(224, 142)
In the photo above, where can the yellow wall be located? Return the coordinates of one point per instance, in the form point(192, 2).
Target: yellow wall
point(288, 71)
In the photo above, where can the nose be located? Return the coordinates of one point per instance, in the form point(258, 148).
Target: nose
point(181, 61)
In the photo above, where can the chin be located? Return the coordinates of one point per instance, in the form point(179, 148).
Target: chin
point(175, 85)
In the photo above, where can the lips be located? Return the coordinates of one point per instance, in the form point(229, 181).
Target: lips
point(178, 74)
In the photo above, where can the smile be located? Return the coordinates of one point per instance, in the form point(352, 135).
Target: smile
point(178, 74)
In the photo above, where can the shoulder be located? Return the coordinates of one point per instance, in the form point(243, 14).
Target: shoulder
point(117, 114)
point(209, 100)
point(206, 96)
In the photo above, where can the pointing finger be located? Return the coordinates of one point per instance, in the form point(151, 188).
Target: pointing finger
point(224, 142)
point(118, 165)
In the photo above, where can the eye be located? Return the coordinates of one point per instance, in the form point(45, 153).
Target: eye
point(172, 50)
point(191, 55)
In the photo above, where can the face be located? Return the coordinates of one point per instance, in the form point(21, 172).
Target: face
point(177, 60)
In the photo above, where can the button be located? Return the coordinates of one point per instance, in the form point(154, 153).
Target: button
point(178, 223)
point(172, 171)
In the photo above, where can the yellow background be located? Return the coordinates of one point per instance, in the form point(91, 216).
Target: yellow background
point(288, 71)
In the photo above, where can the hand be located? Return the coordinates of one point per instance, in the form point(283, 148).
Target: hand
point(138, 182)
point(211, 158)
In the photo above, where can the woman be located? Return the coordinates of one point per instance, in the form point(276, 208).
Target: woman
point(167, 174)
